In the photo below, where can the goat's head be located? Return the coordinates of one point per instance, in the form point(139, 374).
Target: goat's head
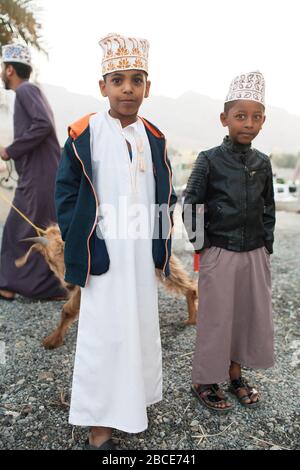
point(51, 246)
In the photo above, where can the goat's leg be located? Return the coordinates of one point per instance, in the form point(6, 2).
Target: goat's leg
point(69, 313)
point(180, 283)
point(191, 299)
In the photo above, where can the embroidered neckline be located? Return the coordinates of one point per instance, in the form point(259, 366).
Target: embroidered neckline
point(138, 164)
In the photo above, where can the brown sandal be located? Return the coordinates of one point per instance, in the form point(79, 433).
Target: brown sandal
point(210, 395)
point(251, 392)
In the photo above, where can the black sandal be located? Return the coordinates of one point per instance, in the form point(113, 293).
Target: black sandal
point(251, 392)
point(211, 395)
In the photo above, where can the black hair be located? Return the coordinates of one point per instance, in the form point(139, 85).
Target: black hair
point(22, 70)
point(106, 75)
point(230, 104)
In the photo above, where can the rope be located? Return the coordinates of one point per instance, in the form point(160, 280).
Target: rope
point(38, 230)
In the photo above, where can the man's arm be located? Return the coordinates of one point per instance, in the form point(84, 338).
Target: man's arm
point(32, 101)
point(66, 188)
point(269, 217)
point(193, 213)
point(173, 198)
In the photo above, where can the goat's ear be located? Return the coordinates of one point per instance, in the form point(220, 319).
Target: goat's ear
point(22, 261)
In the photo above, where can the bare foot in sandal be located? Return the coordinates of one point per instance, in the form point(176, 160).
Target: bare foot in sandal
point(246, 394)
point(211, 396)
point(7, 295)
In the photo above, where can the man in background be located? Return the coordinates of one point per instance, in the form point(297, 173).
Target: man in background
point(36, 153)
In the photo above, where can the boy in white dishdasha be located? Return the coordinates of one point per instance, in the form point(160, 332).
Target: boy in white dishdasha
point(116, 159)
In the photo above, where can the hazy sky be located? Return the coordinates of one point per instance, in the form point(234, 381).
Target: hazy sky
point(197, 45)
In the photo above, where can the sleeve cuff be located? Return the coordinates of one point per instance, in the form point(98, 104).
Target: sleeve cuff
point(269, 247)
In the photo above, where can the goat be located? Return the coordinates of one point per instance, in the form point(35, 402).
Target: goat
point(51, 246)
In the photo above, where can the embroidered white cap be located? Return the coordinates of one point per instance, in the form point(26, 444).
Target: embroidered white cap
point(124, 53)
point(247, 86)
point(16, 53)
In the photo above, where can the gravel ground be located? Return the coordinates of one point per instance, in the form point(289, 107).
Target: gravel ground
point(35, 383)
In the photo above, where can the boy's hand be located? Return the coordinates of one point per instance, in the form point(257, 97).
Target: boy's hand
point(3, 154)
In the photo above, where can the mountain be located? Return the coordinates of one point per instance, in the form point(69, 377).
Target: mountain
point(68, 107)
point(190, 122)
